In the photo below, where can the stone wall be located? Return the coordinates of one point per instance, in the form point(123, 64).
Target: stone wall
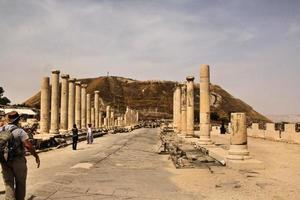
point(288, 133)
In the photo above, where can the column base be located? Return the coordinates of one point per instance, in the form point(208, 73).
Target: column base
point(54, 132)
point(189, 135)
point(205, 140)
point(238, 152)
point(63, 131)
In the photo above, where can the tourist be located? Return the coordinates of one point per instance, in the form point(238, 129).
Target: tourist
point(74, 137)
point(89, 135)
point(14, 168)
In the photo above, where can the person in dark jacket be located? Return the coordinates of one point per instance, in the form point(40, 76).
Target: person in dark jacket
point(74, 137)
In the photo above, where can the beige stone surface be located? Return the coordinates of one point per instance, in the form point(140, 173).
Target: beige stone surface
point(97, 110)
point(190, 106)
point(71, 104)
point(64, 103)
point(183, 110)
point(45, 106)
point(78, 104)
point(83, 107)
point(54, 127)
point(88, 108)
point(205, 125)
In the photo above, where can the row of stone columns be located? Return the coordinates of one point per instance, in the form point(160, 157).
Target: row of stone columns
point(131, 117)
point(183, 102)
point(74, 106)
point(183, 115)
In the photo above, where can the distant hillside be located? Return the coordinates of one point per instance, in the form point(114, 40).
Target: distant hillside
point(154, 99)
point(285, 118)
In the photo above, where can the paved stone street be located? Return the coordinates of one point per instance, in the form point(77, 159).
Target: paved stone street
point(127, 166)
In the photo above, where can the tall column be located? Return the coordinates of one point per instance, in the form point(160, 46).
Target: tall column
point(190, 106)
point(177, 109)
point(112, 119)
point(100, 119)
point(204, 105)
point(137, 116)
point(64, 103)
point(108, 116)
point(83, 107)
point(45, 106)
point(238, 138)
point(93, 117)
point(88, 109)
point(96, 104)
point(78, 105)
point(183, 110)
point(55, 102)
point(71, 104)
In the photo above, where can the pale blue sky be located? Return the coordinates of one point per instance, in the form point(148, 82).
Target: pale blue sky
point(252, 46)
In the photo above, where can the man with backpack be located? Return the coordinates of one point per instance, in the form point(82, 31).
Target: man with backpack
point(13, 142)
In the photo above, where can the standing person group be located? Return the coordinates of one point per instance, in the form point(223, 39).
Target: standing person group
point(14, 141)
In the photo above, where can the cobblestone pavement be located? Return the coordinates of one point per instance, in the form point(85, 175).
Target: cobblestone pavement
point(127, 166)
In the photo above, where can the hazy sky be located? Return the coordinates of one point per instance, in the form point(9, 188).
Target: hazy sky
point(253, 47)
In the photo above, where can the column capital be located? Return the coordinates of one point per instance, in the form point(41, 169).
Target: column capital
point(55, 72)
point(190, 78)
point(65, 76)
point(72, 79)
point(96, 92)
point(78, 83)
point(84, 85)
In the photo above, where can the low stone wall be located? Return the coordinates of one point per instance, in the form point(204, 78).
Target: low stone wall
point(289, 133)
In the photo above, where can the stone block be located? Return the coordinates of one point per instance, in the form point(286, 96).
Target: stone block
point(250, 164)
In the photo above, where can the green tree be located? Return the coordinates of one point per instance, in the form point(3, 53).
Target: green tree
point(3, 100)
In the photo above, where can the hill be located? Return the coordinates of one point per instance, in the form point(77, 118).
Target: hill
point(154, 99)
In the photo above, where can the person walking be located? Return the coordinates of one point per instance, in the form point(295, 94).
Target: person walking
point(74, 137)
point(89, 135)
point(14, 168)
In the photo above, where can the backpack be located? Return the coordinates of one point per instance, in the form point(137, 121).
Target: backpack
point(8, 147)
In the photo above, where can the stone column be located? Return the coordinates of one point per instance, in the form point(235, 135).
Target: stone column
point(108, 116)
point(64, 103)
point(183, 110)
point(88, 109)
point(177, 108)
point(78, 105)
point(96, 104)
point(54, 129)
point(71, 104)
point(190, 106)
point(100, 119)
point(83, 107)
point(45, 106)
point(238, 139)
point(93, 117)
point(137, 116)
point(205, 105)
point(112, 119)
